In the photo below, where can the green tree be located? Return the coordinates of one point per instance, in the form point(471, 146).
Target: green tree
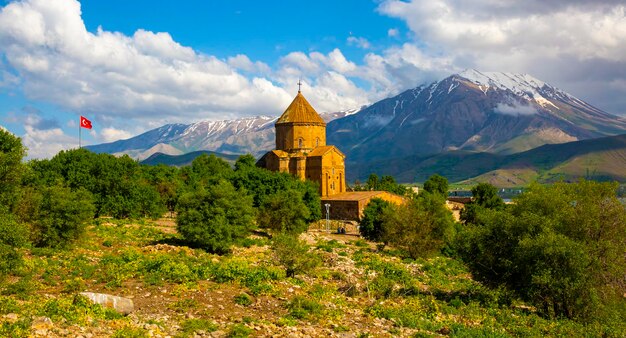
point(244, 162)
point(284, 211)
point(214, 217)
point(261, 183)
point(421, 227)
point(57, 215)
point(371, 225)
point(293, 254)
point(485, 196)
point(560, 247)
point(11, 168)
point(372, 182)
point(13, 236)
point(437, 184)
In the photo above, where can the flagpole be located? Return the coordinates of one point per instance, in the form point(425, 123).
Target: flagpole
point(80, 134)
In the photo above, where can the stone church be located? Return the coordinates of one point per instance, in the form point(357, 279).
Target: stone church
point(301, 149)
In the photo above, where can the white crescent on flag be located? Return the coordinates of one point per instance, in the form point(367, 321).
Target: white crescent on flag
point(84, 123)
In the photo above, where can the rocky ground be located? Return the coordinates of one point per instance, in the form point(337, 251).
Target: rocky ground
point(176, 291)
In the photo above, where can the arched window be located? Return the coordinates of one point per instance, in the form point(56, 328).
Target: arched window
point(300, 143)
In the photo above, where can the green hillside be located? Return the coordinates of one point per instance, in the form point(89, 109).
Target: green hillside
point(598, 159)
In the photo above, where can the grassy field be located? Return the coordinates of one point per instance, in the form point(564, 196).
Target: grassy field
point(358, 291)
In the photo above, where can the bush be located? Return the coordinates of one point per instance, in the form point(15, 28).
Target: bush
point(57, 214)
point(215, 217)
point(371, 225)
point(243, 299)
point(421, 227)
point(484, 195)
point(293, 254)
point(561, 247)
point(11, 168)
point(284, 211)
point(436, 184)
point(13, 236)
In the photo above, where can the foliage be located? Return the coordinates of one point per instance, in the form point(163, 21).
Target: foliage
point(437, 184)
point(239, 331)
point(420, 227)
point(293, 254)
point(385, 183)
point(262, 183)
point(214, 217)
point(57, 215)
point(301, 307)
point(243, 299)
point(11, 169)
point(119, 186)
point(485, 196)
point(191, 326)
point(561, 247)
point(284, 211)
point(371, 225)
point(13, 236)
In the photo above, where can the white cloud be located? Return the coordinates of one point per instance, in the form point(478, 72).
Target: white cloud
point(242, 62)
point(515, 109)
point(132, 83)
point(562, 42)
point(360, 42)
point(46, 143)
point(149, 75)
point(586, 31)
point(112, 134)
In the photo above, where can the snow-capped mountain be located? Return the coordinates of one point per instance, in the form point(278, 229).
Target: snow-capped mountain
point(253, 135)
point(472, 111)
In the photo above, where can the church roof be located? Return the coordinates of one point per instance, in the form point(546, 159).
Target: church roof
point(300, 111)
point(321, 150)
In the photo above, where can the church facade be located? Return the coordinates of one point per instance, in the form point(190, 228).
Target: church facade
point(301, 149)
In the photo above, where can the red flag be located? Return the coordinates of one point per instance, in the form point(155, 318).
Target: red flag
point(84, 123)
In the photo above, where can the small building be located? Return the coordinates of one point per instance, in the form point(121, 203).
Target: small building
point(350, 205)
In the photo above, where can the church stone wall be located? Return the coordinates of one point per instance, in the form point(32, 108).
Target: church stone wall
point(300, 136)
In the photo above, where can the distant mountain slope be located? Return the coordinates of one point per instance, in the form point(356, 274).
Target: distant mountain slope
point(602, 158)
point(471, 111)
point(185, 159)
point(253, 135)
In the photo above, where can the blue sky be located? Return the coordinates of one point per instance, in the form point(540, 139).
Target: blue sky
point(131, 66)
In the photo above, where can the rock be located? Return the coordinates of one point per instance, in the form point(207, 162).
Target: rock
point(42, 324)
point(11, 317)
point(120, 304)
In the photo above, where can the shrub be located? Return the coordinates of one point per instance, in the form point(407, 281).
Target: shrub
point(437, 184)
point(371, 225)
point(191, 326)
point(560, 247)
point(421, 227)
point(215, 217)
point(301, 307)
point(243, 299)
point(57, 215)
point(13, 236)
point(239, 331)
point(293, 254)
point(11, 168)
point(284, 211)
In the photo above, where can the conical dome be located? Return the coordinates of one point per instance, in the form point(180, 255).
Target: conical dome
point(300, 111)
